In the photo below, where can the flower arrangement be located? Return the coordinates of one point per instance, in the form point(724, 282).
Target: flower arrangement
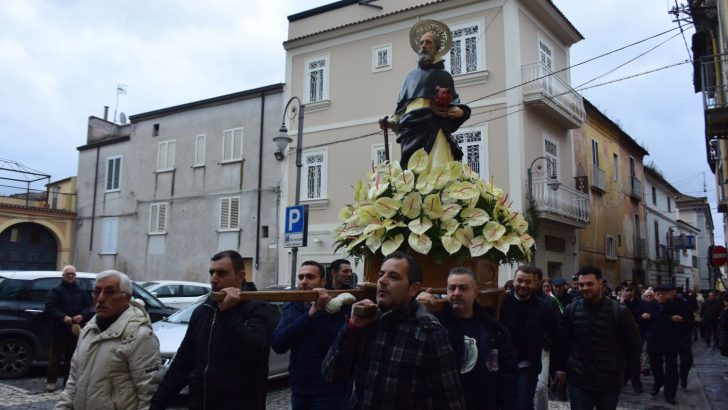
point(446, 211)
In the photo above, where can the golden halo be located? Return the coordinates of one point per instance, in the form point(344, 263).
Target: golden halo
point(441, 31)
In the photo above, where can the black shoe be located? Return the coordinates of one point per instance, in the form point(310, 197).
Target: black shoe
point(655, 390)
point(684, 384)
point(638, 389)
point(670, 400)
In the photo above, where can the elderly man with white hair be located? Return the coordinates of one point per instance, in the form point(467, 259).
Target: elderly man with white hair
point(116, 363)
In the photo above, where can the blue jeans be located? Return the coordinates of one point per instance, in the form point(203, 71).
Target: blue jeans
point(525, 388)
point(585, 399)
point(301, 401)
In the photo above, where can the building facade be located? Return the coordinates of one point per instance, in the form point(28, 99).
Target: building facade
point(669, 260)
point(160, 195)
point(36, 225)
point(611, 162)
point(347, 61)
point(695, 211)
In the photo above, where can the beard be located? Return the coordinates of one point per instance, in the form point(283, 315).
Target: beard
point(425, 59)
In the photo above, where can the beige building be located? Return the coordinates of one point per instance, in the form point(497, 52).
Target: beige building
point(611, 161)
point(347, 60)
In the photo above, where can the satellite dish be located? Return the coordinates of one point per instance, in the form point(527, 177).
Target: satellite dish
point(122, 118)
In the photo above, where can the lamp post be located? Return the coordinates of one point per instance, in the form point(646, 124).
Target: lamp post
point(282, 141)
point(553, 183)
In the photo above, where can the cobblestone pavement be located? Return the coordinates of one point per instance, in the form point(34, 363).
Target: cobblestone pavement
point(706, 390)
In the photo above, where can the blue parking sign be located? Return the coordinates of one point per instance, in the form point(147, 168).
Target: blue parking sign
point(296, 229)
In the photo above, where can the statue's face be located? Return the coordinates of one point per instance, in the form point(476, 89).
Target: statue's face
point(427, 44)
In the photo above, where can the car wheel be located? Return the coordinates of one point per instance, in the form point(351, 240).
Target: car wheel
point(16, 357)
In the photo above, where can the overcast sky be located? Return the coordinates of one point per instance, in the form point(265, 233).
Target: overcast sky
point(60, 62)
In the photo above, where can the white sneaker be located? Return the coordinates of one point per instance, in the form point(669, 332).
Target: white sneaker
point(50, 387)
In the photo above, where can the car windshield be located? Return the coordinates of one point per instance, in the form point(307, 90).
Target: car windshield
point(147, 297)
point(183, 316)
point(9, 288)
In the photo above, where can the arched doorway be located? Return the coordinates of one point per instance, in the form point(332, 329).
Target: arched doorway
point(27, 246)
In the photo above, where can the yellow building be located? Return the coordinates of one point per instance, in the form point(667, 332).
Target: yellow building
point(36, 226)
point(609, 167)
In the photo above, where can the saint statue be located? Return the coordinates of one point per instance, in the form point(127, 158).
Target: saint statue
point(429, 109)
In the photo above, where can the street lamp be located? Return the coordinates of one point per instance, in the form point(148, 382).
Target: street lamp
point(552, 182)
point(282, 141)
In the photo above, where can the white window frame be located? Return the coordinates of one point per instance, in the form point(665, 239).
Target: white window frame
point(482, 148)
point(610, 247)
point(234, 155)
point(376, 150)
point(324, 174)
point(158, 217)
point(109, 236)
point(326, 69)
point(377, 66)
point(117, 174)
point(479, 48)
point(229, 217)
point(200, 147)
point(549, 63)
point(165, 156)
point(550, 156)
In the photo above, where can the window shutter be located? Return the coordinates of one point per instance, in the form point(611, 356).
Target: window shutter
point(200, 150)
point(170, 155)
point(227, 137)
point(224, 213)
point(154, 218)
point(234, 212)
point(238, 144)
point(162, 219)
point(117, 173)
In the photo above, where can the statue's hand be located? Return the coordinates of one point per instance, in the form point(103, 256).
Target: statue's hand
point(384, 122)
point(440, 111)
point(455, 112)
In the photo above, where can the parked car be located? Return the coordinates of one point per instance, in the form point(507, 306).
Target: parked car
point(171, 331)
point(177, 293)
point(24, 325)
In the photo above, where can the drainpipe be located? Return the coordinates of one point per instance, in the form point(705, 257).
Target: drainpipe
point(260, 181)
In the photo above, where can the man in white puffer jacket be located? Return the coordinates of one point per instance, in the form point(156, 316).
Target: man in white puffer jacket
point(116, 363)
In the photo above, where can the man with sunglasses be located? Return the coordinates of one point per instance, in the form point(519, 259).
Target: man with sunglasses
point(116, 363)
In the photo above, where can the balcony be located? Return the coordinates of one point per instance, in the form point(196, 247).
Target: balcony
point(565, 206)
point(598, 178)
point(548, 93)
point(34, 198)
point(636, 191)
point(640, 248)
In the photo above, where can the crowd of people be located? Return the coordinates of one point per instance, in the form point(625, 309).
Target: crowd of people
point(395, 352)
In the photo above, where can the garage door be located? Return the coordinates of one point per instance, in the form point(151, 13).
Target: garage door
point(27, 246)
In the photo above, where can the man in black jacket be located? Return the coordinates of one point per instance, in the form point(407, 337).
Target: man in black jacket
point(664, 326)
point(67, 305)
point(224, 354)
point(531, 322)
point(483, 349)
point(636, 308)
point(602, 337)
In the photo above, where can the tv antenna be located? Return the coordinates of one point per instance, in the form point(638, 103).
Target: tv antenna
point(120, 90)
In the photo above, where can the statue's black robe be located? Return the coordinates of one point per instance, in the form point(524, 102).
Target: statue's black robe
point(418, 128)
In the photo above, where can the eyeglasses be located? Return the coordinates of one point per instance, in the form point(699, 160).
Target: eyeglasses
point(110, 293)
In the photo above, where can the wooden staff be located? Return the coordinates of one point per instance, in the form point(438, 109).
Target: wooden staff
point(385, 128)
point(364, 290)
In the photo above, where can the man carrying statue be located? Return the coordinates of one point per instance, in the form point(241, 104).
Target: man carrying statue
point(428, 109)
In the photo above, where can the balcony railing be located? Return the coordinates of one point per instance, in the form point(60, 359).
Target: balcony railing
point(566, 204)
point(598, 178)
point(36, 198)
point(636, 188)
point(541, 85)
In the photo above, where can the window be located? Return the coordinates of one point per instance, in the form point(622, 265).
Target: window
point(54, 196)
point(551, 151)
point(657, 240)
point(229, 213)
point(109, 233)
point(382, 58)
point(113, 173)
point(378, 153)
point(190, 290)
point(14, 235)
point(615, 172)
point(595, 153)
point(632, 168)
point(654, 196)
point(669, 205)
point(166, 291)
point(155, 130)
point(314, 171)
point(165, 156)
point(38, 291)
point(200, 150)
point(232, 145)
point(158, 218)
point(472, 142)
point(466, 54)
point(545, 54)
point(611, 248)
point(316, 80)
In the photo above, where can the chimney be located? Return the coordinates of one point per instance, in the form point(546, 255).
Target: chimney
point(106, 112)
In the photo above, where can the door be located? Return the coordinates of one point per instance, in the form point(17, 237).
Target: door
point(27, 246)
